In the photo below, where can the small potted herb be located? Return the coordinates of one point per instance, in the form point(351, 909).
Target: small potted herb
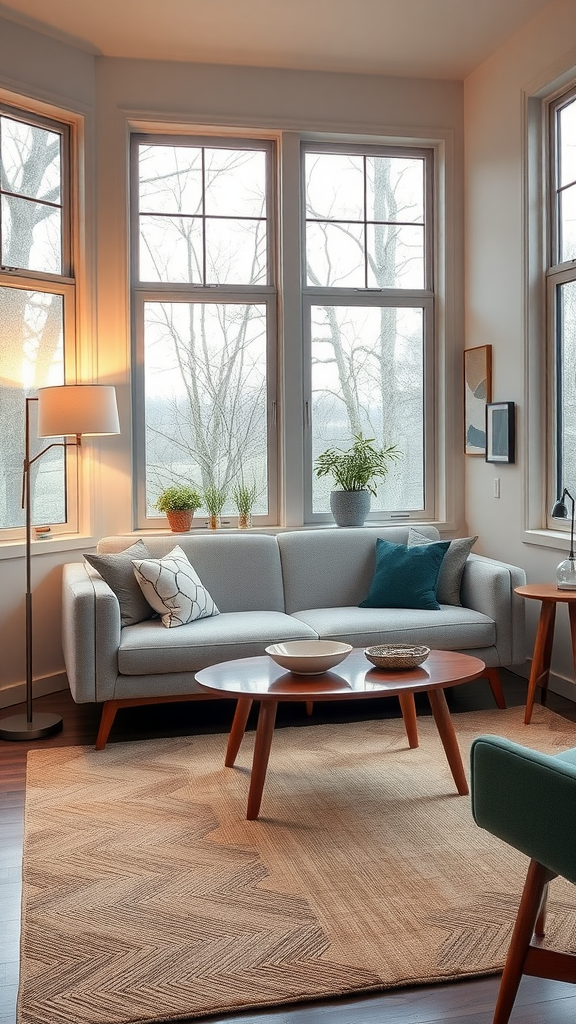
point(214, 498)
point(179, 503)
point(244, 498)
point(354, 471)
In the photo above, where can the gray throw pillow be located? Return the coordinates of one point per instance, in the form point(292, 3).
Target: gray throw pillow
point(118, 572)
point(452, 567)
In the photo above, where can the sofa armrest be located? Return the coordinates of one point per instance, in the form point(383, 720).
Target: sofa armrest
point(488, 587)
point(90, 633)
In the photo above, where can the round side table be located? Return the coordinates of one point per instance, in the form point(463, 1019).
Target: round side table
point(550, 596)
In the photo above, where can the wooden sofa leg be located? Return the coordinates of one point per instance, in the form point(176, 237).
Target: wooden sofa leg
point(309, 707)
point(493, 677)
point(109, 709)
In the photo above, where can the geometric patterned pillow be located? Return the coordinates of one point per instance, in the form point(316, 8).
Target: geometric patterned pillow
point(173, 588)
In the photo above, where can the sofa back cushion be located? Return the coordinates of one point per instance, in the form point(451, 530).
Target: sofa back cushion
point(241, 571)
point(334, 568)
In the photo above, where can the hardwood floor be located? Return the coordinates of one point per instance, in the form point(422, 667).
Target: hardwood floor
point(464, 1002)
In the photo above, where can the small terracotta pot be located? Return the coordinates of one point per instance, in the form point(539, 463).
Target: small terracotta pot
point(180, 521)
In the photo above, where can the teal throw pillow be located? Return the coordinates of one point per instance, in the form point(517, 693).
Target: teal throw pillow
point(406, 577)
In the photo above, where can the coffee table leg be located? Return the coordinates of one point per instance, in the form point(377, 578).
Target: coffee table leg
point(448, 737)
point(408, 708)
point(238, 729)
point(262, 744)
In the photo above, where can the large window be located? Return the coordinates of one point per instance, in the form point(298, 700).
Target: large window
point(368, 300)
point(36, 308)
point(205, 316)
point(562, 288)
point(211, 350)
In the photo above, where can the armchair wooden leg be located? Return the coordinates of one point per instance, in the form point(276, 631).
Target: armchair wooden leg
point(309, 707)
point(529, 912)
point(493, 677)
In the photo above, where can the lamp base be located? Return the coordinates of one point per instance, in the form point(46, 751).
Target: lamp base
point(17, 727)
point(566, 574)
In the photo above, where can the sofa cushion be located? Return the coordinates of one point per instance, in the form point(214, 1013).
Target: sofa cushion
point(452, 568)
point(405, 577)
point(173, 588)
point(451, 629)
point(148, 648)
point(117, 571)
point(333, 568)
point(242, 570)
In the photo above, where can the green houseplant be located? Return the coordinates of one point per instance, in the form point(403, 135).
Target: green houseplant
point(179, 503)
point(244, 497)
point(214, 498)
point(355, 471)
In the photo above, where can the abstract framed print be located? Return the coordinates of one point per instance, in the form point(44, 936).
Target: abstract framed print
point(500, 432)
point(477, 392)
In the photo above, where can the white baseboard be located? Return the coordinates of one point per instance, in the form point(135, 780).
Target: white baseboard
point(16, 692)
point(558, 684)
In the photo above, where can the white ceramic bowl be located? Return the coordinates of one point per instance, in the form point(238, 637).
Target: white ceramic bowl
point(308, 657)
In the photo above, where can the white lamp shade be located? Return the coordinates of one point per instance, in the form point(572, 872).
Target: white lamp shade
point(77, 409)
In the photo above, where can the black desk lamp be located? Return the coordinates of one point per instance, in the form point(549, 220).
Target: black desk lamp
point(566, 571)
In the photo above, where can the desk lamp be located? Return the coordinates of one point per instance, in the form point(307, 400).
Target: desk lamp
point(566, 571)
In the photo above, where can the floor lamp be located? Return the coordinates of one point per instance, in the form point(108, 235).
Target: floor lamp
point(71, 409)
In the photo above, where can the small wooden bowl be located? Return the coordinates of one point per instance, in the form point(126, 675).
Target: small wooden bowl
point(395, 656)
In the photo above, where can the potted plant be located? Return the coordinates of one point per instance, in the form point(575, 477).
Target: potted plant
point(244, 498)
point(214, 498)
point(354, 471)
point(179, 503)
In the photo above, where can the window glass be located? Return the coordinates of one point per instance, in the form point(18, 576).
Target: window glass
point(36, 310)
point(30, 182)
point(205, 395)
point(364, 220)
point(203, 217)
point(562, 293)
point(367, 377)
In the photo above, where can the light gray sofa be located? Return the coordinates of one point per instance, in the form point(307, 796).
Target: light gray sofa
point(296, 584)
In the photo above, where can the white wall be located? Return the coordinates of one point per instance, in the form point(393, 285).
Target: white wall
point(131, 91)
point(495, 297)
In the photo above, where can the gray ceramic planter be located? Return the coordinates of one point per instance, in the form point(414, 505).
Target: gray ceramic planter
point(350, 508)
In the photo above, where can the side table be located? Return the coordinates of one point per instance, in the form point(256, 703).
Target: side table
point(550, 596)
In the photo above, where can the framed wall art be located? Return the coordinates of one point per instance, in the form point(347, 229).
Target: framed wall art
point(477, 392)
point(500, 432)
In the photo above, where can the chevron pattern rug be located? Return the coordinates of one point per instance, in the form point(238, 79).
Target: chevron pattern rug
point(149, 897)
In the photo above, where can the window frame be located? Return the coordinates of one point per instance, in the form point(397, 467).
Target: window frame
point(64, 285)
point(556, 274)
point(423, 298)
point(147, 291)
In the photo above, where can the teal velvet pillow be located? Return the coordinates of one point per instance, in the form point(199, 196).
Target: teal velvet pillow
point(406, 577)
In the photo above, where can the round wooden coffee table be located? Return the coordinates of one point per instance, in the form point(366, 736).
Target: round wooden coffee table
point(260, 679)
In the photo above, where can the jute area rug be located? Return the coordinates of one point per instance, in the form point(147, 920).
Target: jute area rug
point(149, 897)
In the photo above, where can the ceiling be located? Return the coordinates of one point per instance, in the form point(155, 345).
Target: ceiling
point(418, 38)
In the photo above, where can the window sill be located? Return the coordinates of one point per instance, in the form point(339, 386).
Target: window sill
point(547, 539)
point(17, 548)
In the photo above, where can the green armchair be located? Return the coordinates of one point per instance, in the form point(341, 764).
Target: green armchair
point(528, 799)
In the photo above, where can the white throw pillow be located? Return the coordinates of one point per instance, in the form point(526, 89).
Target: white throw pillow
point(173, 588)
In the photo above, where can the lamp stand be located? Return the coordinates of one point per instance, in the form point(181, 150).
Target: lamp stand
point(30, 726)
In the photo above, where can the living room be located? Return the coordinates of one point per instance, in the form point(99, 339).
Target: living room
point(482, 125)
